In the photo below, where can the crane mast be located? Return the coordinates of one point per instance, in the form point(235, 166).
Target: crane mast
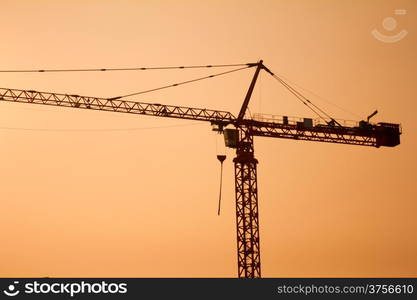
point(246, 194)
point(240, 136)
point(247, 213)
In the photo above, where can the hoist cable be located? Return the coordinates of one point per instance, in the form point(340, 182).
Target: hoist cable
point(220, 191)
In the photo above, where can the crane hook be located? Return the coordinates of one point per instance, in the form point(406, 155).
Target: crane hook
point(221, 159)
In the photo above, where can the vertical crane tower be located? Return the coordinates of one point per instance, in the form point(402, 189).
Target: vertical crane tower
point(239, 137)
point(246, 194)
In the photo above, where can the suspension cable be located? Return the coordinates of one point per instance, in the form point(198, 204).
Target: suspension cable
point(307, 102)
point(96, 130)
point(297, 95)
point(125, 69)
point(181, 83)
point(318, 96)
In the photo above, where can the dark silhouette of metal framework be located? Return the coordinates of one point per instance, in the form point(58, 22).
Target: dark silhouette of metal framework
point(246, 189)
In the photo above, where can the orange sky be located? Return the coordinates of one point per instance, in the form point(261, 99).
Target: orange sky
point(143, 203)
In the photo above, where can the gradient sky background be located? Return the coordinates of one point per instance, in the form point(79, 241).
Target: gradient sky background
point(142, 203)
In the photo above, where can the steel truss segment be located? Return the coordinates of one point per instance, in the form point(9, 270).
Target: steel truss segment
point(344, 135)
point(247, 215)
point(248, 251)
point(94, 103)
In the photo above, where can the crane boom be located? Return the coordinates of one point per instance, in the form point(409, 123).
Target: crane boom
point(122, 106)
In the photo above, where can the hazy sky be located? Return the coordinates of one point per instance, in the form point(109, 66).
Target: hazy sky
point(143, 202)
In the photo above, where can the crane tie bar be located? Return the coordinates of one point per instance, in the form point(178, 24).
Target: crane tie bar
point(125, 69)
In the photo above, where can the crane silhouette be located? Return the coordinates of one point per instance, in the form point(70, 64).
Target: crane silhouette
point(239, 133)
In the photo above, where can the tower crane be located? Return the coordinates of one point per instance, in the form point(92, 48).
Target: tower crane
point(239, 133)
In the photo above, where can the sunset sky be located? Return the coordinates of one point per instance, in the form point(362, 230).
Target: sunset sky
point(99, 194)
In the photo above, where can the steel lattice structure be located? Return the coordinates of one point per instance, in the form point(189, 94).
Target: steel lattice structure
point(121, 106)
point(247, 213)
point(245, 163)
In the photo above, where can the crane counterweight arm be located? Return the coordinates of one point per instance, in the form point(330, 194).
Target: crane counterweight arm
point(375, 135)
point(103, 104)
point(323, 135)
